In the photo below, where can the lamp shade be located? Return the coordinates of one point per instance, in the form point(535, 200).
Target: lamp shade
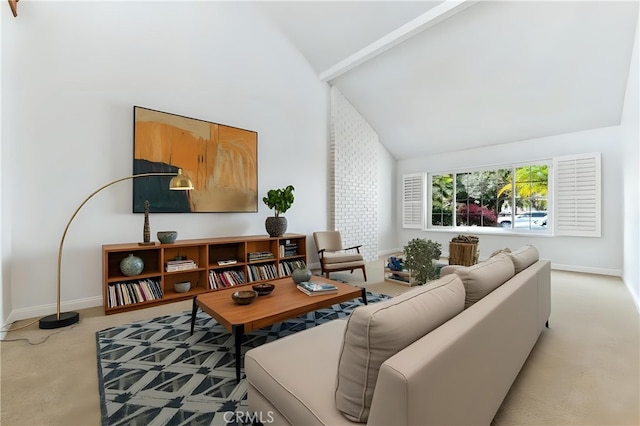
point(180, 182)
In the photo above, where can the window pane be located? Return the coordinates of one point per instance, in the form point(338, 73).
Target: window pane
point(504, 198)
point(477, 197)
point(532, 188)
point(442, 200)
point(462, 199)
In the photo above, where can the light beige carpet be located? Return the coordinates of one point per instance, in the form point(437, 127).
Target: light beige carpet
point(583, 371)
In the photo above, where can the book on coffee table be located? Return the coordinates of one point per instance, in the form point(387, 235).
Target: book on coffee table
point(316, 288)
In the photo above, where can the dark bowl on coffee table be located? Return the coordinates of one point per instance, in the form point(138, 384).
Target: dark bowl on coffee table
point(244, 297)
point(263, 289)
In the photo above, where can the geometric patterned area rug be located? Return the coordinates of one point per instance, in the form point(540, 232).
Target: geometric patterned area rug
point(155, 372)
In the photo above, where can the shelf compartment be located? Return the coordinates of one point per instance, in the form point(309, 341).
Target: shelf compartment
point(286, 267)
point(229, 251)
point(195, 253)
point(134, 292)
point(229, 277)
point(150, 257)
point(262, 272)
point(197, 278)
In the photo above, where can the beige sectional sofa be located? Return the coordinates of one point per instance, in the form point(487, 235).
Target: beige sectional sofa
point(443, 353)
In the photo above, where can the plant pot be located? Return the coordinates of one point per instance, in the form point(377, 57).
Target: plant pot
point(276, 226)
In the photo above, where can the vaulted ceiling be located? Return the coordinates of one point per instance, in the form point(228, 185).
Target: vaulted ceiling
point(432, 77)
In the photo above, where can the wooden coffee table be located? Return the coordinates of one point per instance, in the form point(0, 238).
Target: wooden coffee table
point(284, 302)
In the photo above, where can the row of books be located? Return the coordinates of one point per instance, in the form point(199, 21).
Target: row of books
point(290, 249)
point(222, 279)
point(180, 265)
point(128, 293)
point(317, 288)
point(287, 267)
point(260, 255)
point(262, 272)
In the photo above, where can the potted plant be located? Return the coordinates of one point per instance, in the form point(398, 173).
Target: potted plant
point(280, 200)
point(420, 256)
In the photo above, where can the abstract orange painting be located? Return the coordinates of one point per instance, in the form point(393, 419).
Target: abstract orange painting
point(220, 160)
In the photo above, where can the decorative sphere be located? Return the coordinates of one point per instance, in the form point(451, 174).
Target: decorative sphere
point(300, 275)
point(131, 265)
point(167, 237)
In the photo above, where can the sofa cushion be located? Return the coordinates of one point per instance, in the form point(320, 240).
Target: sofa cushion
point(338, 257)
point(481, 279)
point(377, 331)
point(524, 257)
point(296, 374)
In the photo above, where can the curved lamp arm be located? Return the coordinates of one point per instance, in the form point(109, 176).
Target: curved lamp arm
point(178, 183)
point(13, 4)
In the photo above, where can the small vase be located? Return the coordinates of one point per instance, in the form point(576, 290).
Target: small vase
point(131, 265)
point(300, 275)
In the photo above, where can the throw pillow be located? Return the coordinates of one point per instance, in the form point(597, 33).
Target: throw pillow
point(481, 279)
point(500, 251)
point(377, 331)
point(524, 257)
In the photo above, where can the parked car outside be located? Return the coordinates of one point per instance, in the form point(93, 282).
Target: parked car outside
point(528, 220)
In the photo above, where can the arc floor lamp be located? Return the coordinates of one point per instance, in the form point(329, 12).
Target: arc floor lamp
point(179, 182)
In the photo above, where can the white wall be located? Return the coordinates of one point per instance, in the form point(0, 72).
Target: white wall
point(72, 71)
point(387, 196)
point(631, 171)
point(600, 255)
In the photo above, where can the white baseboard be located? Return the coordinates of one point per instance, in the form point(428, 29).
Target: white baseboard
point(634, 296)
point(587, 269)
point(385, 253)
point(44, 310)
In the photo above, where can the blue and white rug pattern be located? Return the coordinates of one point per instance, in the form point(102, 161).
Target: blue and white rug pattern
point(156, 373)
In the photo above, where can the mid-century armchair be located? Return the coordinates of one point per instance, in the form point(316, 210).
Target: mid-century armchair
point(334, 257)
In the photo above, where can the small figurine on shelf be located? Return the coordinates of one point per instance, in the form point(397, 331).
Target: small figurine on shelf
point(146, 232)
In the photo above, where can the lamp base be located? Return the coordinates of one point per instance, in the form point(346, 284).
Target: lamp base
point(52, 321)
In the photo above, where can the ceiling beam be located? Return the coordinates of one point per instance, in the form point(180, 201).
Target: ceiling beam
point(428, 19)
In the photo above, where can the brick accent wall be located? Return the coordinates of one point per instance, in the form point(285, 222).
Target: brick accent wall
point(353, 188)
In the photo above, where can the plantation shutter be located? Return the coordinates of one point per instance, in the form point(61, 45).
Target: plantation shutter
point(413, 201)
point(577, 195)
